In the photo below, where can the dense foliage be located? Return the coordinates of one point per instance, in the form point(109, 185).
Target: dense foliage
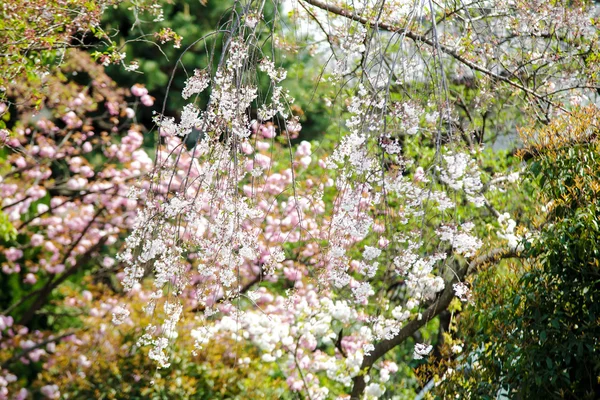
point(538, 335)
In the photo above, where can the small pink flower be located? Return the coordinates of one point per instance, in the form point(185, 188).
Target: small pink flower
point(5, 322)
point(292, 274)
point(50, 391)
point(147, 100)
point(263, 145)
point(304, 149)
point(72, 120)
point(129, 112)
point(419, 174)
point(112, 107)
point(305, 161)
point(22, 394)
point(247, 148)
point(13, 254)
point(138, 90)
point(36, 354)
point(87, 295)
point(84, 362)
point(108, 262)
point(30, 279)
point(262, 160)
point(267, 131)
point(20, 162)
point(4, 134)
point(36, 240)
point(295, 385)
point(379, 228)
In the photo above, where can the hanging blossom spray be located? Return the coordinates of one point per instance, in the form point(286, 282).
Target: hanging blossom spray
point(228, 208)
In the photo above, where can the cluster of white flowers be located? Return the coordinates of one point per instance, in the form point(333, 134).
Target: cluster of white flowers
point(196, 84)
point(400, 314)
point(229, 106)
point(462, 241)
point(237, 54)
point(371, 253)
point(409, 116)
point(280, 98)
point(362, 291)
point(390, 146)
point(120, 314)
point(189, 120)
point(374, 391)
point(461, 172)
point(252, 20)
point(349, 224)
point(462, 291)
point(421, 350)
point(507, 232)
point(353, 39)
point(421, 281)
point(133, 66)
point(276, 74)
point(160, 344)
point(354, 146)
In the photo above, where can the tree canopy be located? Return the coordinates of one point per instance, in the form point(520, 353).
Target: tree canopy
point(303, 199)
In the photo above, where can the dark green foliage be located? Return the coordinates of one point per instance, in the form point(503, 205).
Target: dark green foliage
point(558, 315)
point(535, 330)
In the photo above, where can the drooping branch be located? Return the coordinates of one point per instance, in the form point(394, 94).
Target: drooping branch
point(440, 305)
point(242, 290)
point(432, 43)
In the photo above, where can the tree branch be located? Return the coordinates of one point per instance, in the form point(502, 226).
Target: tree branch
point(242, 290)
point(28, 350)
point(44, 292)
point(440, 305)
point(423, 39)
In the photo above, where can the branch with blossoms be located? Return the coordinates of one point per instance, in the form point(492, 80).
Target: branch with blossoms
point(38, 345)
point(228, 209)
point(439, 305)
point(66, 177)
point(41, 296)
point(469, 60)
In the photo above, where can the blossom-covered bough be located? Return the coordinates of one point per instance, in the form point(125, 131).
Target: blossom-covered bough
point(296, 249)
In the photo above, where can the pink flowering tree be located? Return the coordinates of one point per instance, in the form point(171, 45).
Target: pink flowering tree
point(65, 177)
